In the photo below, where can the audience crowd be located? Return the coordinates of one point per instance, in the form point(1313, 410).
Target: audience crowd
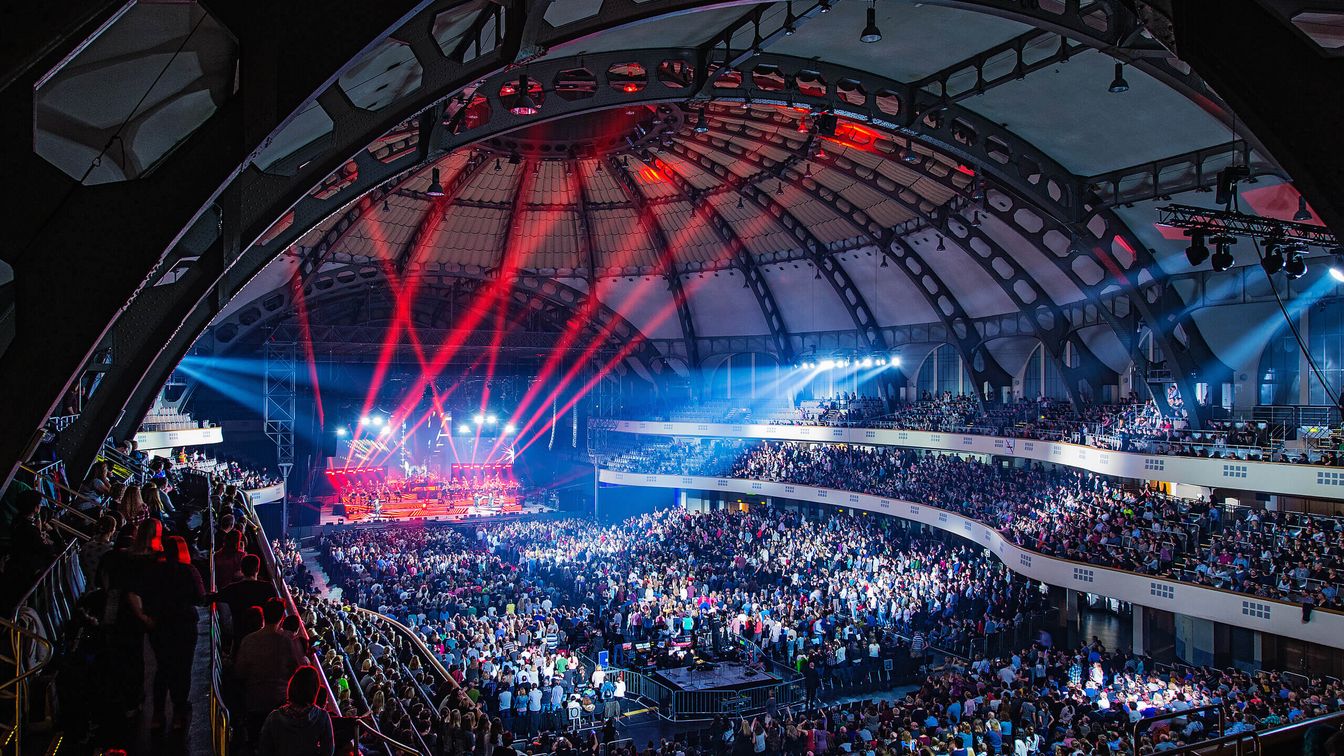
point(1071, 514)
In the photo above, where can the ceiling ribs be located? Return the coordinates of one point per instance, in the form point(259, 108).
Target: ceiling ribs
point(1047, 319)
point(849, 295)
point(746, 262)
point(648, 220)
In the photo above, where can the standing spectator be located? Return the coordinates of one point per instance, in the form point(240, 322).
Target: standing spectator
point(299, 727)
point(265, 661)
point(229, 560)
point(171, 596)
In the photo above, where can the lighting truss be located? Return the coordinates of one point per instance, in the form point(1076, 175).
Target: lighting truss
point(1214, 222)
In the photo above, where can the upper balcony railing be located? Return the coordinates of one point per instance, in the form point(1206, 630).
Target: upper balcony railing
point(1310, 481)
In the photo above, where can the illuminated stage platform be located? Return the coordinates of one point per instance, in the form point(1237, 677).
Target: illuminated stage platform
point(719, 676)
point(333, 513)
point(407, 508)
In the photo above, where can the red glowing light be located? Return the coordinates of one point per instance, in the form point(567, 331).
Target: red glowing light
point(650, 175)
point(969, 171)
point(630, 87)
point(853, 135)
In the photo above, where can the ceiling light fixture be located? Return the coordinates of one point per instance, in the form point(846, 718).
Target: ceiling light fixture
point(790, 21)
point(1296, 265)
point(701, 123)
point(1196, 253)
point(942, 247)
point(1274, 260)
point(739, 202)
point(523, 104)
point(870, 32)
point(1118, 84)
point(1302, 214)
point(884, 262)
point(435, 188)
point(1222, 259)
point(779, 188)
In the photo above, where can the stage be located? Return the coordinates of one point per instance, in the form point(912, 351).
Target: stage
point(333, 513)
point(717, 676)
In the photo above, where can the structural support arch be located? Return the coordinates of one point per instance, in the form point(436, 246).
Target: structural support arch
point(755, 279)
point(648, 220)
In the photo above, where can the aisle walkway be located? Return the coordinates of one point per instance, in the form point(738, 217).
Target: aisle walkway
point(321, 583)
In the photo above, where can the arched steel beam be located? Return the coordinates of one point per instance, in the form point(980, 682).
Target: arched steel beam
point(1028, 174)
point(280, 191)
point(1111, 27)
point(1092, 367)
point(125, 234)
point(1046, 317)
point(746, 262)
point(347, 289)
point(588, 250)
point(930, 286)
point(648, 220)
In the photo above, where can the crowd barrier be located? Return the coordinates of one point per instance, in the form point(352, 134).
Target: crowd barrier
point(1238, 609)
point(1310, 481)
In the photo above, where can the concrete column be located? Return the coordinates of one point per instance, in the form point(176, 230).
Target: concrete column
point(1137, 631)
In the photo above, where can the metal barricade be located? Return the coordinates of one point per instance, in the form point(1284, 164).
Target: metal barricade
point(37, 621)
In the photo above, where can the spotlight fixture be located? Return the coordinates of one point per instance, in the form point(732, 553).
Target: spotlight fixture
point(817, 276)
point(739, 202)
point(825, 6)
point(779, 189)
point(1222, 259)
point(1296, 265)
point(790, 21)
point(866, 362)
point(377, 419)
point(523, 104)
point(509, 429)
point(1274, 260)
point(1226, 183)
point(941, 246)
point(499, 166)
point(884, 262)
point(479, 419)
point(826, 123)
point(1337, 273)
point(435, 188)
point(1118, 84)
point(701, 123)
point(1196, 253)
point(515, 158)
point(491, 419)
point(364, 420)
point(464, 429)
point(1302, 214)
point(870, 32)
point(341, 431)
point(386, 431)
point(386, 208)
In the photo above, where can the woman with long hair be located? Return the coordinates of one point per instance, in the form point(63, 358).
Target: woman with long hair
point(173, 593)
point(300, 727)
point(131, 506)
point(149, 494)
